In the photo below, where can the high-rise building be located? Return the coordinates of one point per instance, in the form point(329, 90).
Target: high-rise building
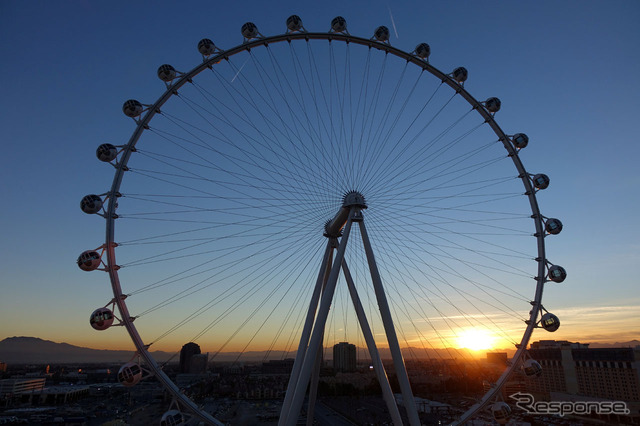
point(188, 351)
point(198, 364)
point(344, 357)
point(574, 368)
point(21, 385)
point(498, 358)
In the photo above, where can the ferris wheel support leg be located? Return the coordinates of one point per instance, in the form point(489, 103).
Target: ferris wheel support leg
point(318, 329)
point(387, 394)
point(392, 338)
point(306, 332)
point(313, 389)
point(315, 378)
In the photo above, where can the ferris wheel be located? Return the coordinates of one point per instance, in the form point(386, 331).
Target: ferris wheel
point(308, 188)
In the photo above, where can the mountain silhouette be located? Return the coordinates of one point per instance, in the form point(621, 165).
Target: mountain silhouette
point(32, 350)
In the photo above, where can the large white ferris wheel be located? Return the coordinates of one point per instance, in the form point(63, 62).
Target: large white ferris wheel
point(314, 187)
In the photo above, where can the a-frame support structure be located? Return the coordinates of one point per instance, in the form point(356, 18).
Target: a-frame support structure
point(306, 367)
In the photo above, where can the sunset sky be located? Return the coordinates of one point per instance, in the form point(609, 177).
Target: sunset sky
point(566, 73)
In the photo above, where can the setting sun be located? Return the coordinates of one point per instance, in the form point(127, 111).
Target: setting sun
point(475, 339)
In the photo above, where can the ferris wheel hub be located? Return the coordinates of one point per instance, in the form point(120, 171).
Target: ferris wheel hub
point(351, 199)
point(354, 198)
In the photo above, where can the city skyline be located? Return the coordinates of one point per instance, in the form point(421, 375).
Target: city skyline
point(567, 373)
point(572, 131)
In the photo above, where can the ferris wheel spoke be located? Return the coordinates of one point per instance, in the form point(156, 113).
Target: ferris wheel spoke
point(285, 91)
point(230, 271)
point(217, 207)
point(261, 279)
point(378, 143)
point(276, 110)
point(416, 162)
point(399, 147)
point(467, 297)
point(449, 269)
point(291, 149)
point(313, 116)
point(405, 257)
point(277, 173)
point(264, 321)
point(428, 238)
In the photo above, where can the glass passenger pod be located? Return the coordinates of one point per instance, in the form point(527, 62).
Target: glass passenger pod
point(541, 181)
point(520, 140)
point(101, 318)
point(132, 108)
point(553, 226)
point(206, 47)
point(91, 204)
point(381, 34)
point(531, 368)
point(89, 260)
point(501, 412)
point(294, 23)
point(339, 24)
point(130, 374)
point(557, 273)
point(492, 105)
point(106, 152)
point(460, 75)
point(423, 51)
point(166, 73)
point(550, 322)
point(249, 30)
point(172, 418)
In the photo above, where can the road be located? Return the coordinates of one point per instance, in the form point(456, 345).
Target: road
point(325, 416)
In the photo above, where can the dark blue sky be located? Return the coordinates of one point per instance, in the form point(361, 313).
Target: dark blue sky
point(566, 73)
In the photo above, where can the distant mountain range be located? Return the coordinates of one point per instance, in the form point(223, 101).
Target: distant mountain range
point(32, 350)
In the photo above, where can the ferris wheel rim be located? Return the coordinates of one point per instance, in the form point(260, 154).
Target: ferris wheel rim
point(289, 37)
